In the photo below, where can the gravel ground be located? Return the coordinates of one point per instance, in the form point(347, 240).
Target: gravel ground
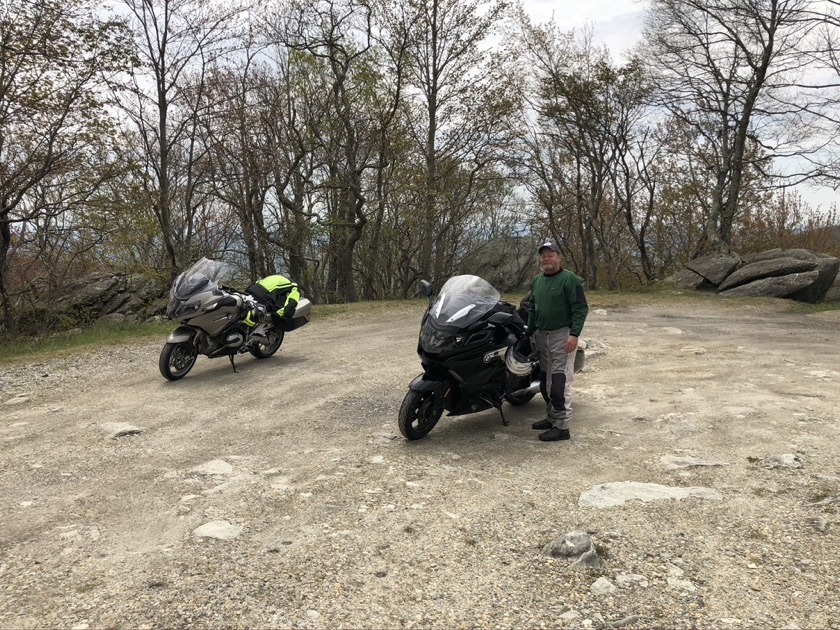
point(334, 520)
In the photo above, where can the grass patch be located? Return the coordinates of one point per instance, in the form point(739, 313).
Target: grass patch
point(98, 336)
point(821, 307)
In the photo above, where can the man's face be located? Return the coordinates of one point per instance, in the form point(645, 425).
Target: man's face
point(550, 260)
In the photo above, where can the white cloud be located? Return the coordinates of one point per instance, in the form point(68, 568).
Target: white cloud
point(616, 23)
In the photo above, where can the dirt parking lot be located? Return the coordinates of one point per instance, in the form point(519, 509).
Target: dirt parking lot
point(320, 514)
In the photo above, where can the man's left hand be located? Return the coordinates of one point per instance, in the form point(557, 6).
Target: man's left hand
point(571, 344)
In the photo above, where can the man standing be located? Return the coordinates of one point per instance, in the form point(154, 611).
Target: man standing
point(556, 319)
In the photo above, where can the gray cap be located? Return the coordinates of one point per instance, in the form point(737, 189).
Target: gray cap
point(551, 245)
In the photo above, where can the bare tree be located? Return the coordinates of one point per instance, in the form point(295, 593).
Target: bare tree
point(54, 57)
point(293, 101)
point(823, 92)
point(337, 34)
point(240, 171)
point(462, 100)
point(176, 41)
point(392, 35)
point(728, 69)
point(582, 117)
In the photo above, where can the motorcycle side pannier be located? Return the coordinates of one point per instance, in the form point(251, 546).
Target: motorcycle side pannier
point(303, 313)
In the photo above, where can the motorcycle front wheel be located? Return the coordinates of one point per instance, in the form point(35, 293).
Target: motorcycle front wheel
point(176, 359)
point(418, 415)
point(265, 350)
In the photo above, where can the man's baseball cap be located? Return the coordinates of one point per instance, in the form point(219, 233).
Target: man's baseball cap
point(551, 245)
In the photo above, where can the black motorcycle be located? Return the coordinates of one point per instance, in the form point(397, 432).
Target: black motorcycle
point(475, 352)
point(212, 321)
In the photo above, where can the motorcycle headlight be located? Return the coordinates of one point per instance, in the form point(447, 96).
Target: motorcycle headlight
point(433, 340)
point(187, 309)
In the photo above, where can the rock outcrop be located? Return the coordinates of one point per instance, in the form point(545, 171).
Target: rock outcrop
point(833, 293)
point(714, 268)
point(772, 268)
point(796, 274)
point(111, 297)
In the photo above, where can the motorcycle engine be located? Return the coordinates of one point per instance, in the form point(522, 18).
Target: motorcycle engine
point(234, 340)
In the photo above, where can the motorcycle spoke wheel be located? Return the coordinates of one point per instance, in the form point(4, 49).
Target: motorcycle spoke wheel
point(177, 359)
point(418, 415)
point(265, 350)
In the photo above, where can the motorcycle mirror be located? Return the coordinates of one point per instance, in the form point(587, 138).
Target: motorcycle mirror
point(426, 288)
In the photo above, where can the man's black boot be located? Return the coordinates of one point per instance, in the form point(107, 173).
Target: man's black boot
point(542, 425)
point(554, 434)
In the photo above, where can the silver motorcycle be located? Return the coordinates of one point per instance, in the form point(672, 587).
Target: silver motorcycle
point(210, 317)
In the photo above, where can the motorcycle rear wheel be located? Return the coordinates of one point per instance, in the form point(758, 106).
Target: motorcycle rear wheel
point(265, 350)
point(177, 359)
point(520, 384)
point(418, 415)
point(516, 401)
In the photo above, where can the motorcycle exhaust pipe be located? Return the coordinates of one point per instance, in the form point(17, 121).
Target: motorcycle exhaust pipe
point(533, 388)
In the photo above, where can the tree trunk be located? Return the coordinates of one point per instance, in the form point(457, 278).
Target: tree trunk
point(8, 313)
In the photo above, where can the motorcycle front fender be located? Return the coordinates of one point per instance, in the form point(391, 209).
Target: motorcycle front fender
point(181, 334)
point(426, 383)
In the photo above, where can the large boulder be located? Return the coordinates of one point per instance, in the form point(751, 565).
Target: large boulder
point(770, 254)
point(827, 267)
point(687, 279)
point(833, 293)
point(780, 286)
point(769, 268)
point(116, 304)
point(144, 288)
point(103, 294)
point(714, 268)
point(92, 292)
point(797, 274)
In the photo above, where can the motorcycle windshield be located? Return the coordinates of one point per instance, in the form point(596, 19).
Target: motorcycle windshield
point(463, 300)
point(205, 275)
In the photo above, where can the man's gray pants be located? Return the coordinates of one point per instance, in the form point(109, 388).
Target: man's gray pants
point(557, 369)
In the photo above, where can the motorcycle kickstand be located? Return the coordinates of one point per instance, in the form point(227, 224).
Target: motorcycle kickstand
point(497, 406)
point(232, 362)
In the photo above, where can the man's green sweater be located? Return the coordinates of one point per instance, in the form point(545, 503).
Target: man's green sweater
point(558, 301)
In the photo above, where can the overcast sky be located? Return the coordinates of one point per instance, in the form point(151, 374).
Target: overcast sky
point(616, 23)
